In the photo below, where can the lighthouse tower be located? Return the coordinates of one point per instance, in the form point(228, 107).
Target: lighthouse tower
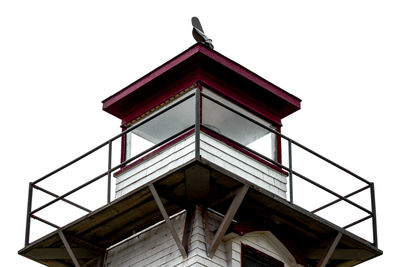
point(202, 180)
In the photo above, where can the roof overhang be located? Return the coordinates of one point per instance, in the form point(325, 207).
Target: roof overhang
point(193, 65)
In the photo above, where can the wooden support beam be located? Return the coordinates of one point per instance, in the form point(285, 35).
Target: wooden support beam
point(197, 182)
point(223, 198)
point(167, 220)
point(329, 251)
point(227, 219)
point(190, 213)
point(68, 248)
point(100, 261)
point(83, 243)
point(204, 215)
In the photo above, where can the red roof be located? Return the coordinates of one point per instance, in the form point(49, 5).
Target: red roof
point(201, 64)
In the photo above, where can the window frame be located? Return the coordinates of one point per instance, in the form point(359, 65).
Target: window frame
point(246, 114)
point(226, 103)
point(248, 251)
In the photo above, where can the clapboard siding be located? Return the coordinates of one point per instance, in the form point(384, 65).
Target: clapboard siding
point(156, 247)
point(157, 165)
point(152, 248)
point(212, 150)
point(265, 242)
point(242, 165)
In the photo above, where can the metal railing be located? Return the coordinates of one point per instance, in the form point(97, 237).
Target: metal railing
point(196, 127)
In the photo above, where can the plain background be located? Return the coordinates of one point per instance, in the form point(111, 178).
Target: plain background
point(60, 59)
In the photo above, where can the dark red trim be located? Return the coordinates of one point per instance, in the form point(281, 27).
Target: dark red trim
point(200, 85)
point(123, 145)
point(278, 146)
point(243, 150)
point(246, 73)
point(201, 49)
point(150, 76)
point(203, 129)
point(154, 100)
point(188, 63)
point(210, 82)
point(254, 106)
point(152, 153)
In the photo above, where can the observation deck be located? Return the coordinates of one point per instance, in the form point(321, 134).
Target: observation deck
point(201, 166)
point(209, 137)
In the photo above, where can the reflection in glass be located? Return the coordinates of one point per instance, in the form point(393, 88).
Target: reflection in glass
point(160, 127)
point(227, 123)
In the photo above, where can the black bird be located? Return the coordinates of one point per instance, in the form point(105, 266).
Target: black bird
point(198, 33)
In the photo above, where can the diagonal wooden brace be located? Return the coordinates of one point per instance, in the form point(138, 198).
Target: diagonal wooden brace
point(329, 251)
point(223, 227)
point(68, 248)
point(167, 220)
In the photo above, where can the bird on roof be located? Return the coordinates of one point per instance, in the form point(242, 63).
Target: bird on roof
point(198, 33)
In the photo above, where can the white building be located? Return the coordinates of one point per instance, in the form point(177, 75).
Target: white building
point(202, 181)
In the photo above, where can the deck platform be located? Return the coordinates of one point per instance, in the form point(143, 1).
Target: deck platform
point(91, 235)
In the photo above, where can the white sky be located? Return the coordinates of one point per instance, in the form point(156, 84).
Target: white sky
point(60, 59)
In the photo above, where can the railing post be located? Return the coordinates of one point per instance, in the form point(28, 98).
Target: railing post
point(197, 123)
point(109, 172)
point(290, 171)
point(373, 209)
point(28, 215)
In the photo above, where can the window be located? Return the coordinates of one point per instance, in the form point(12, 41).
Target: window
point(236, 127)
point(160, 127)
point(217, 114)
point(252, 257)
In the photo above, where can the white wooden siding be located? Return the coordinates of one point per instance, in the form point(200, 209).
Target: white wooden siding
point(242, 165)
point(159, 164)
point(156, 247)
point(212, 150)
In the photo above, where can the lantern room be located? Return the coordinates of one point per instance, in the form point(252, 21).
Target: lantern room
point(234, 112)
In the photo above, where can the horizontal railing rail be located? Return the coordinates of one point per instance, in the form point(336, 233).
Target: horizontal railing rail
point(344, 198)
point(198, 126)
point(287, 138)
point(338, 200)
point(33, 185)
point(371, 213)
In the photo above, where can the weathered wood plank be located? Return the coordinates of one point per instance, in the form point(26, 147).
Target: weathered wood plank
point(167, 220)
point(329, 251)
point(189, 218)
point(68, 248)
point(227, 219)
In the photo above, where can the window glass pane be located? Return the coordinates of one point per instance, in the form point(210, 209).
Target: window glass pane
point(232, 125)
point(161, 127)
point(226, 102)
point(254, 258)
